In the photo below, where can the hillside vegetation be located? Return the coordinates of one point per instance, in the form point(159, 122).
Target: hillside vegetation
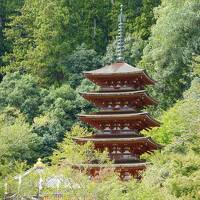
point(44, 47)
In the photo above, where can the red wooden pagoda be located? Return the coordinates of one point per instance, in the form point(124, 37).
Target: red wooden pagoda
point(120, 119)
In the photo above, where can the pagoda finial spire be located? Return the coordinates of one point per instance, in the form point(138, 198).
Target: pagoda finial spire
point(121, 34)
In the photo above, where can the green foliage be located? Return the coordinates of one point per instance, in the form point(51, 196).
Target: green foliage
point(138, 26)
point(183, 116)
point(44, 45)
point(175, 38)
point(175, 172)
point(88, 23)
point(85, 86)
point(45, 34)
point(70, 153)
point(144, 22)
point(39, 40)
point(73, 184)
point(7, 10)
point(176, 169)
point(96, 24)
point(17, 141)
point(58, 115)
point(49, 112)
point(196, 65)
point(81, 59)
point(133, 50)
point(8, 170)
point(22, 92)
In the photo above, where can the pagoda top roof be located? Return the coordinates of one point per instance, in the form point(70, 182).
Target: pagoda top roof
point(115, 68)
point(118, 70)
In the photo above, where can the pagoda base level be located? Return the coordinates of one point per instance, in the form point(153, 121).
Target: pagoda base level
point(126, 170)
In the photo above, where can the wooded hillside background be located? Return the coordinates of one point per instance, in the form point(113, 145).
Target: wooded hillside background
point(44, 47)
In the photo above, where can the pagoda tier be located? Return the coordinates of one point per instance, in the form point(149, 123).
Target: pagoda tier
point(123, 101)
point(119, 76)
point(121, 148)
point(120, 122)
point(124, 169)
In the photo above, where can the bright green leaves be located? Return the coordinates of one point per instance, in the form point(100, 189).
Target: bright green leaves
point(17, 141)
point(176, 169)
point(181, 118)
point(169, 52)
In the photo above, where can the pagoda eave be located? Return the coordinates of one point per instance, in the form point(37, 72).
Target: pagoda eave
point(106, 141)
point(135, 145)
point(118, 69)
point(137, 78)
point(135, 120)
point(117, 166)
point(135, 98)
point(124, 170)
point(102, 116)
point(119, 76)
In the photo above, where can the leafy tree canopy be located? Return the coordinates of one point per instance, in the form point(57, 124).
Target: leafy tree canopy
point(50, 112)
point(168, 56)
point(17, 141)
point(8, 9)
point(39, 39)
point(81, 59)
point(181, 118)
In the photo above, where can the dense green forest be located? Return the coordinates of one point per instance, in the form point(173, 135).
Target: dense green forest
point(44, 47)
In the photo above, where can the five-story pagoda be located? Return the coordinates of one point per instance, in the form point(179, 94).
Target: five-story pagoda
point(118, 123)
